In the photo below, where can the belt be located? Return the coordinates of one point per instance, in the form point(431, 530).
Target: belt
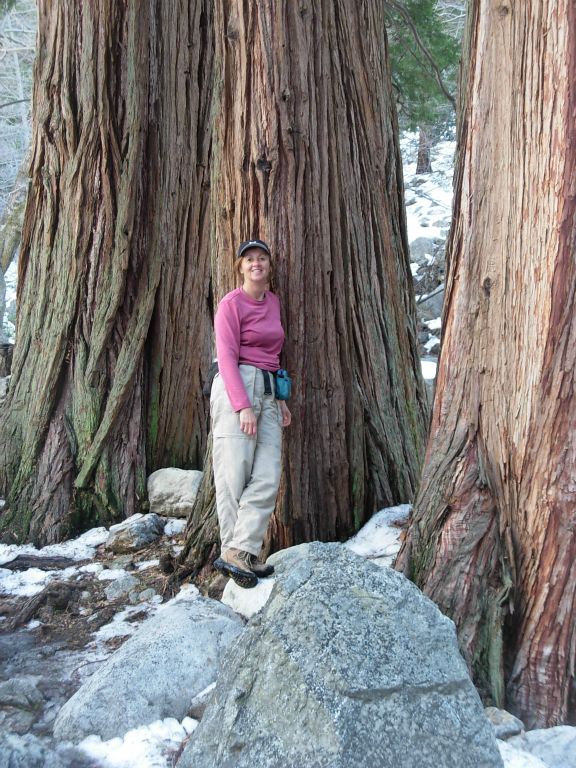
point(267, 382)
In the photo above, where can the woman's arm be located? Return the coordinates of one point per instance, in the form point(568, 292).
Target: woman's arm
point(227, 331)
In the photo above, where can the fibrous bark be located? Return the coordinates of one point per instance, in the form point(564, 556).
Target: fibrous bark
point(493, 539)
point(113, 292)
point(423, 162)
point(306, 156)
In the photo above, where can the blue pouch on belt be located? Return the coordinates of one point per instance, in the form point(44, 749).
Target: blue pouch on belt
point(283, 384)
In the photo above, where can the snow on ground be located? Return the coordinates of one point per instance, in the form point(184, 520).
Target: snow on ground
point(149, 746)
point(517, 758)
point(174, 526)
point(434, 325)
point(429, 369)
point(379, 539)
point(81, 548)
point(33, 580)
point(247, 602)
point(122, 624)
point(431, 343)
point(428, 208)
point(428, 196)
point(10, 278)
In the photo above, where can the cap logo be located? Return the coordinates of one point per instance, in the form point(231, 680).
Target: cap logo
point(252, 244)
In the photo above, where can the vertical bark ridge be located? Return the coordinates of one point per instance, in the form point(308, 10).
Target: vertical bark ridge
point(505, 386)
point(115, 240)
point(306, 156)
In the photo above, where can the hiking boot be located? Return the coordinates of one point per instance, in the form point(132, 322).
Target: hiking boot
point(260, 569)
point(236, 564)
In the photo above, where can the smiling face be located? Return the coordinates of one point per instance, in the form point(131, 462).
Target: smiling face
point(255, 266)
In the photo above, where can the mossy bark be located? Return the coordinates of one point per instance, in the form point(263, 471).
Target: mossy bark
point(114, 311)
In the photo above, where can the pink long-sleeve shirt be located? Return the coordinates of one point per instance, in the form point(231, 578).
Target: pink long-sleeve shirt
point(248, 332)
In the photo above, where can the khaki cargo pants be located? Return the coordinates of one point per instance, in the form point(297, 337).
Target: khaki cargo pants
point(246, 469)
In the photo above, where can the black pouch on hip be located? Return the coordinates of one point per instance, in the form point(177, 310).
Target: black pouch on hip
point(283, 385)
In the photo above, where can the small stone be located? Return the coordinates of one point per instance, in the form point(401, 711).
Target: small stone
point(200, 702)
point(431, 307)
point(120, 586)
point(135, 533)
point(147, 594)
point(166, 563)
point(420, 248)
point(172, 491)
point(142, 597)
point(124, 563)
point(505, 725)
point(21, 692)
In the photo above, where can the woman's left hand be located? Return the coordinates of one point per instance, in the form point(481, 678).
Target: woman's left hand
point(286, 415)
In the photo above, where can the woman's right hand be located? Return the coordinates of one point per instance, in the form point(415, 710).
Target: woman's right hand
point(248, 421)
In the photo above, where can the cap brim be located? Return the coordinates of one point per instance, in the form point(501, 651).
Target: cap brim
point(247, 246)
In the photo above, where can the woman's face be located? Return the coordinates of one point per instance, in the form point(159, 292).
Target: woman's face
point(255, 266)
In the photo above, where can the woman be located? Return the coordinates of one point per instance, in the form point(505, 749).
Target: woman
point(247, 420)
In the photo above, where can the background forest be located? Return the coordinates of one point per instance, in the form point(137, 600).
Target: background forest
point(157, 139)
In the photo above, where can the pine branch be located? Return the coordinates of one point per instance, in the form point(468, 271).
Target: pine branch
point(392, 5)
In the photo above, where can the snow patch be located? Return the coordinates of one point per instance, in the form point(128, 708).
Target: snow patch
point(31, 581)
point(110, 574)
point(81, 548)
point(379, 539)
point(428, 369)
point(174, 526)
point(517, 758)
point(247, 602)
point(428, 196)
point(149, 746)
point(121, 626)
point(431, 343)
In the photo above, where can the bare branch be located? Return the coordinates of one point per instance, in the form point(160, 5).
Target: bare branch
point(10, 103)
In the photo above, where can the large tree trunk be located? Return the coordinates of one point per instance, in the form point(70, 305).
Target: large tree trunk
point(113, 297)
point(493, 538)
point(306, 156)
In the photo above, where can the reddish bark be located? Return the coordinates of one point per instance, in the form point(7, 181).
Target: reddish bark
point(493, 539)
point(306, 156)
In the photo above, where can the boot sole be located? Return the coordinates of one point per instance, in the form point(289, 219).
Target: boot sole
point(244, 579)
point(268, 571)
